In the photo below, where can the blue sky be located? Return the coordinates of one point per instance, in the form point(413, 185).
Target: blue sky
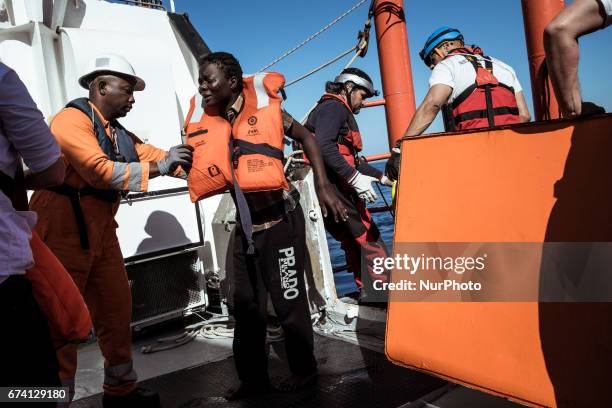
point(257, 32)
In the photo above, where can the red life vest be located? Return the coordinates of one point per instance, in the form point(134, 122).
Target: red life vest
point(485, 103)
point(257, 136)
point(54, 289)
point(57, 295)
point(349, 138)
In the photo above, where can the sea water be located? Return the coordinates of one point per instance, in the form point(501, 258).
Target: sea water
point(345, 282)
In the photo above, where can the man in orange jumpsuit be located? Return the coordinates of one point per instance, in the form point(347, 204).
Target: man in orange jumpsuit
point(76, 219)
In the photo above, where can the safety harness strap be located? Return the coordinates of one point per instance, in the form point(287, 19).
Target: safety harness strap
point(241, 204)
point(488, 97)
point(14, 189)
point(125, 145)
point(468, 91)
point(489, 112)
point(244, 147)
point(463, 96)
point(484, 113)
point(7, 185)
point(74, 195)
point(239, 147)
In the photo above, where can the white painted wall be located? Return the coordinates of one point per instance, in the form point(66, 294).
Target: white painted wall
point(50, 64)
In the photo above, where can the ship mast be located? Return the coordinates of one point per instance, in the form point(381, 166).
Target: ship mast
point(395, 68)
point(536, 16)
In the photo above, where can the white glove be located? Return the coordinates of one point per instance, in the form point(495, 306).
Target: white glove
point(386, 181)
point(363, 186)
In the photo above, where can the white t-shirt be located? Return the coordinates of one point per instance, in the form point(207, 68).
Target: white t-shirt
point(458, 73)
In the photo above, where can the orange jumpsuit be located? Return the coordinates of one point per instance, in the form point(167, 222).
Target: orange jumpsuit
point(99, 272)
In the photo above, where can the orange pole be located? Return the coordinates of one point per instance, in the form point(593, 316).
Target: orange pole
point(536, 16)
point(376, 102)
point(395, 70)
point(376, 157)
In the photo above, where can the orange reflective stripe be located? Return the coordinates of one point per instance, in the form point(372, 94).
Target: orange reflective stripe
point(195, 111)
point(189, 113)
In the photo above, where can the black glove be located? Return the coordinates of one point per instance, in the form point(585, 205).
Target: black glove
point(392, 166)
point(590, 109)
point(364, 167)
point(180, 155)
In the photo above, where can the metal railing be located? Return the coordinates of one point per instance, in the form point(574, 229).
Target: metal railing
point(378, 157)
point(369, 104)
point(154, 4)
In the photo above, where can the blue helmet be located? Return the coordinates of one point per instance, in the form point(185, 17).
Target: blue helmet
point(436, 38)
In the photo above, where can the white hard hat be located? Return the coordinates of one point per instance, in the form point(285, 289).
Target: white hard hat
point(110, 64)
point(359, 78)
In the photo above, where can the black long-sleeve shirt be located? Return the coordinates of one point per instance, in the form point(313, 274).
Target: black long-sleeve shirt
point(328, 121)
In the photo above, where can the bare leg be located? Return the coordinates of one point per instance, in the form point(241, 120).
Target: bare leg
point(562, 52)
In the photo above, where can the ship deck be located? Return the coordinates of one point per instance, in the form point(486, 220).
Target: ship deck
point(350, 376)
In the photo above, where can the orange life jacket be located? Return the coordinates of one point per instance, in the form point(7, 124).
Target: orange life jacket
point(485, 103)
point(252, 147)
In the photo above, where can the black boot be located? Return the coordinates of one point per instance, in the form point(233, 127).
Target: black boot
point(140, 397)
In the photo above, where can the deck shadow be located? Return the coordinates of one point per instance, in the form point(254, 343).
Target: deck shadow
point(345, 381)
point(576, 336)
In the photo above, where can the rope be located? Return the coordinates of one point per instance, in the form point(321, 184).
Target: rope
point(168, 343)
point(348, 64)
point(216, 330)
point(291, 159)
point(320, 67)
point(389, 208)
point(313, 36)
point(359, 49)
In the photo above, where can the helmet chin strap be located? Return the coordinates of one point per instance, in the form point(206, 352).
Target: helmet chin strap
point(349, 96)
point(440, 53)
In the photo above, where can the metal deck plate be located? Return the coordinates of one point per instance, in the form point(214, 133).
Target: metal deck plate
point(350, 376)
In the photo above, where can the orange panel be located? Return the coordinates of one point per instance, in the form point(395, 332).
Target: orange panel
point(527, 183)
